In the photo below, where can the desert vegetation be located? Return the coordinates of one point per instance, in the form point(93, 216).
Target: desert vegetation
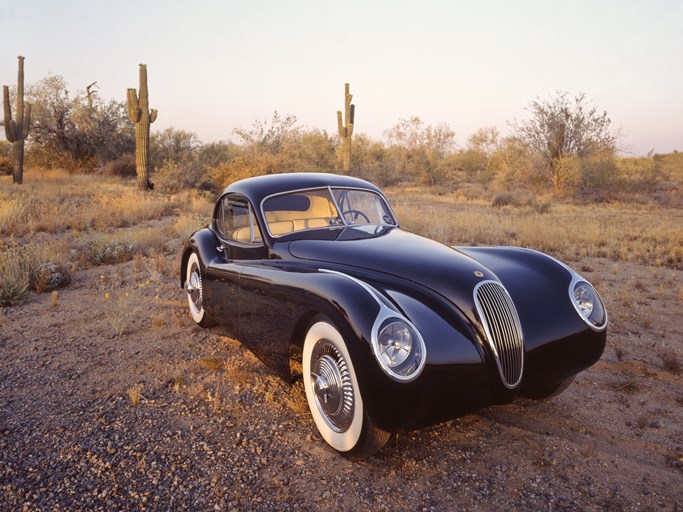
point(562, 148)
point(146, 409)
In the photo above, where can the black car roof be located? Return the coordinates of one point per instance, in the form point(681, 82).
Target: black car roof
point(260, 187)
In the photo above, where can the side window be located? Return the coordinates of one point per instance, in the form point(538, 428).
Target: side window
point(235, 221)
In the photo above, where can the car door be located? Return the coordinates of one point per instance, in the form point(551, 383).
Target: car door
point(239, 244)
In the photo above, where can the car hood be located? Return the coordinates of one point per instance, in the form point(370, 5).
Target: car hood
point(404, 255)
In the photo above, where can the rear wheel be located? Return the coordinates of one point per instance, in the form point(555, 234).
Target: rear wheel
point(333, 395)
point(195, 291)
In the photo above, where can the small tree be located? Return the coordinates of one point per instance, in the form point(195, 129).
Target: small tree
point(172, 144)
point(265, 137)
point(562, 128)
point(75, 132)
point(420, 151)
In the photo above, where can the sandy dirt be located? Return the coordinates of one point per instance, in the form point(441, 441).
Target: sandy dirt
point(214, 430)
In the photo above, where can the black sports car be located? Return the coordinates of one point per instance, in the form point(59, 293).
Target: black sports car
point(395, 331)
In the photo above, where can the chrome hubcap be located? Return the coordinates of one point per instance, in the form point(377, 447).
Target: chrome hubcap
point(193, 286)
point(332, 386)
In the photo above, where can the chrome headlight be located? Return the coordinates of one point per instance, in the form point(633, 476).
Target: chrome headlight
point(399, 348)
point(588, 304)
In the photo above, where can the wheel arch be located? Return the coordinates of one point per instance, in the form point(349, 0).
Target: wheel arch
point(203, 242)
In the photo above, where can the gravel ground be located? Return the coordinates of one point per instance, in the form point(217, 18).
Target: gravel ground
point(113, 400)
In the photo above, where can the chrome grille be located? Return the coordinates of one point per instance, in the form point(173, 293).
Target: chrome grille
point(503, 330)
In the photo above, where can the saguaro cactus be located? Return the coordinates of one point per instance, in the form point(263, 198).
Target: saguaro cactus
point(346, 127)
point(16, 130)
point(140, 114)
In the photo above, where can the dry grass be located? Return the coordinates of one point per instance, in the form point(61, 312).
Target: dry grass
point(54, 201)
point(187, 224)
point(158, 321)
point(670, 362)
point(178, 383)
point(16, 267)
point(629, 386)
point(61, 221)
point(645, 234)
point(135, 394)
point(157, 266)
point(213, 364)
point(620, 353)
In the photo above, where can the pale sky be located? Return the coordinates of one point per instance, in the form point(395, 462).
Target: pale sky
point(217, 65)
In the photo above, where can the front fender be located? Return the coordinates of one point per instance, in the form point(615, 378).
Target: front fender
point(455, 379)
point(558, 343)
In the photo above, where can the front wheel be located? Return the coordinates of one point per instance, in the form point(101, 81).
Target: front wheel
point(195, 291)
point(333, 394)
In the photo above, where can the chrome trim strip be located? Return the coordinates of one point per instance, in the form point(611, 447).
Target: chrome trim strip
point(384, 314)
point(509, 327)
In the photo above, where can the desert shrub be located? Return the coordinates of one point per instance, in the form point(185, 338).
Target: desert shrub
point(16, 267)
point(247, 165)
point(172, 144)
point(639, 176)
point(47, 277)
point(6, 165)
point(6, 162)
point(598, 177)
point(123, 166)
point(474, 165)
point(217, 153)
point(514, 198)
point(105, 251)
point(369, 161)
point(68, 132)
point(561, 130)
point(186, 174)
point(516, 168)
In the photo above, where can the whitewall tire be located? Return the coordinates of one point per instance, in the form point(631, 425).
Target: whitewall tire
point(195, 291)
point(333, 394)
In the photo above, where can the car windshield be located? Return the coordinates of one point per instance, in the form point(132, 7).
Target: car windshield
point(324, 208)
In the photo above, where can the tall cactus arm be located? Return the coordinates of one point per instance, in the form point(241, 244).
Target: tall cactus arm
point(10, 127)
point(133, 106)
point(340, 125)
point(152, 115)
point(27, 121)
point(349, 125)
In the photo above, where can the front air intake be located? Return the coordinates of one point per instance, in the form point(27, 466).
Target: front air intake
point(503, 330)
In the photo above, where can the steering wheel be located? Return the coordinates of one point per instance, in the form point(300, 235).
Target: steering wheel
point(354, 215)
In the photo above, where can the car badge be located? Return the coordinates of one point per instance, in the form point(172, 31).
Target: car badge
point(478, 273)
